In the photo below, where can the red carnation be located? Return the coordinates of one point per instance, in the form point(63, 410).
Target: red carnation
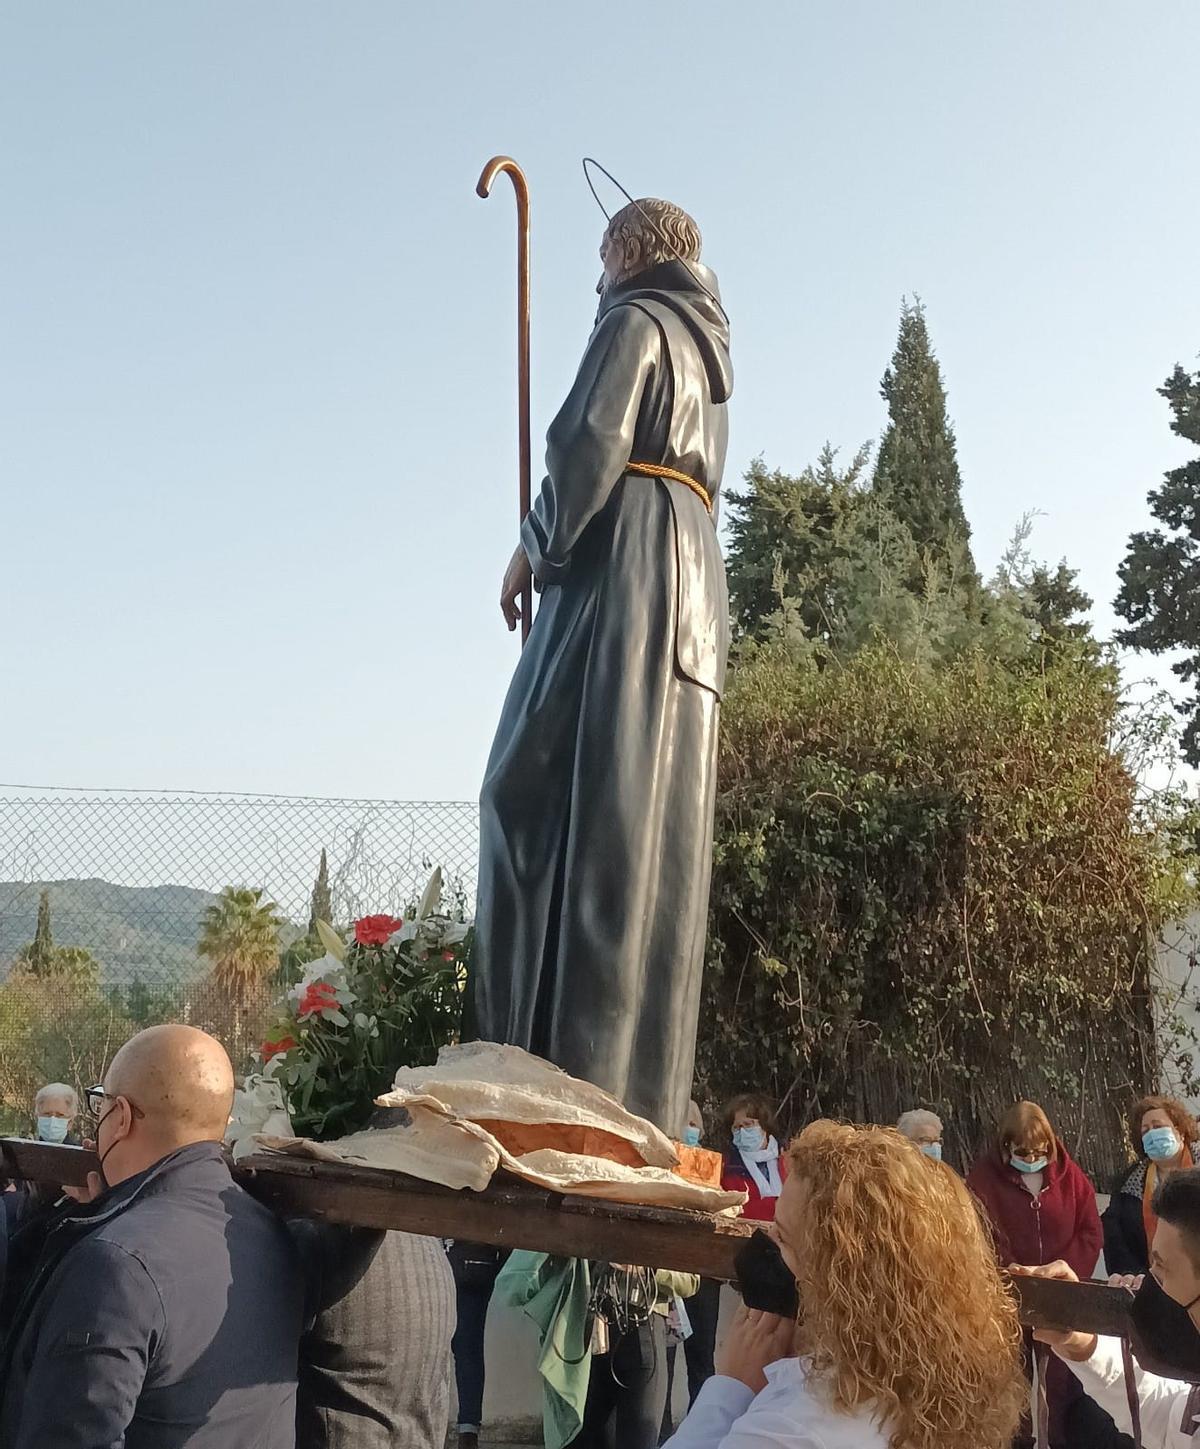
point(319, 996)
point(375, 930)
point(281, 1044)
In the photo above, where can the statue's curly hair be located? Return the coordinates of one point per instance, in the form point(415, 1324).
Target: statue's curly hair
point(664, 231)
point(902, 1303)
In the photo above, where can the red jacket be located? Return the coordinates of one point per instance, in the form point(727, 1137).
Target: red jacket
point(735, 1178)
point(1061, 1222)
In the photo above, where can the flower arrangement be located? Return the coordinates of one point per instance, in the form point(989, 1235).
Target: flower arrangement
point(258, 1106)
point(390, 996)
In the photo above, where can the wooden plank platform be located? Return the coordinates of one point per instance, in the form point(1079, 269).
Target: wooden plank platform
point(514, 1214)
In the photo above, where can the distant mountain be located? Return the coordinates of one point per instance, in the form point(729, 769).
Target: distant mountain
point(146, 932)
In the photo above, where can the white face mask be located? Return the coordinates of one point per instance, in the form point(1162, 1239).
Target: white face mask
point(749, 1139)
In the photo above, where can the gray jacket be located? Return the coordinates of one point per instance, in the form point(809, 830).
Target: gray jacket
point(375, 1356)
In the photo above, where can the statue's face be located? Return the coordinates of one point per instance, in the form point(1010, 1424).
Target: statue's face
point(619, 259)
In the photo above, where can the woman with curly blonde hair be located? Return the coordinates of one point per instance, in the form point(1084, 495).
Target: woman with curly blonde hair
point(907, 1337)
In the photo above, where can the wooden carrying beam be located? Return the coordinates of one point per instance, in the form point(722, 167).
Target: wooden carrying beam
point(514, 1214)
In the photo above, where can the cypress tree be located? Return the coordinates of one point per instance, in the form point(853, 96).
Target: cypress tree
point(322, 900)
point(40, 955)
point(916, 474)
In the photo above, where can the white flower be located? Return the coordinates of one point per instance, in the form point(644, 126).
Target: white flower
point(327, 968)
point(431, 895)
point(258, 1106)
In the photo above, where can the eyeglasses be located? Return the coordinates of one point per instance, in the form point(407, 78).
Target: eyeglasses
point(96, 1098)
point(1030, 1154)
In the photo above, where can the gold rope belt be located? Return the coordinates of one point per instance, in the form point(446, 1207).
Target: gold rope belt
point(658, 470)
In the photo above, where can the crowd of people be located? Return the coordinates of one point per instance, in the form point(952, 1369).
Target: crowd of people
point(161, 1306)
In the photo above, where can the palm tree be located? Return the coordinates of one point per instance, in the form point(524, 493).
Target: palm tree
point(239, 934)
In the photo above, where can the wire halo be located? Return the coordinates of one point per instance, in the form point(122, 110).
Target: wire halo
point(666, 240)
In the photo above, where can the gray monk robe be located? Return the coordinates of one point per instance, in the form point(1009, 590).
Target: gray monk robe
point(596, 812)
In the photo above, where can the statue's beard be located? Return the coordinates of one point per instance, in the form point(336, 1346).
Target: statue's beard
point(605, 285)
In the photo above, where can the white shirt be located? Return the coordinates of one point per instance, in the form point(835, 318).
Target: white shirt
point(1170, 1408)
point(787, 1414)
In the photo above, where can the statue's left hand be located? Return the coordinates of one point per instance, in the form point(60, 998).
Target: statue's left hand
point(517, 578)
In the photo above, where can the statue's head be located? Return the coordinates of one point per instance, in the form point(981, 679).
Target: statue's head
point(643, 234)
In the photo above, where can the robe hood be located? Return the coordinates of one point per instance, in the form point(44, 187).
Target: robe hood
point(685, 287)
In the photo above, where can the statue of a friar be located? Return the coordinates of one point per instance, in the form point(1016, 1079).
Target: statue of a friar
point(596, 813)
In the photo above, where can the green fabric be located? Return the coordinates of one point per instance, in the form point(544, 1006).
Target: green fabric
point(555, 1293)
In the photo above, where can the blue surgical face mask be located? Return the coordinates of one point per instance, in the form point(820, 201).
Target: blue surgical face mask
point(1037, 1165)
point(934, 1150)
point(749, 1139)
point(1161, 1144)
point(691, 1136)
point(52, 1129)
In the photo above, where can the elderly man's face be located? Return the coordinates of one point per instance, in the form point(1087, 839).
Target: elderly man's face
point(53, 1114)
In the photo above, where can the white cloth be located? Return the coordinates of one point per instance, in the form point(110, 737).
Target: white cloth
point(1170, 1408)
point(763, 1167)
point(485, 1106)
point(787, 1414)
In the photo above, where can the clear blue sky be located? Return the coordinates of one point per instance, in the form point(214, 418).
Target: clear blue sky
point(257, 431)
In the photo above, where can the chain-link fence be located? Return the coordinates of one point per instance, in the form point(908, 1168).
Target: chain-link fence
point(104, 899)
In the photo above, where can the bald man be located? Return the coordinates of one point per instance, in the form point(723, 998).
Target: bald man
point(165, 1311)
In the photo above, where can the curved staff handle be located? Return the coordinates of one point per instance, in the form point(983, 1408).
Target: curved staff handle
point(521, 187)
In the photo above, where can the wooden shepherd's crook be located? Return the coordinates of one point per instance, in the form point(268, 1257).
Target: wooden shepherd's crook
point(521, 188)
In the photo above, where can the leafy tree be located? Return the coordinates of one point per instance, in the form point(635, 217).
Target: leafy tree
point(77, 967)
point(146, 1006)
point(820, 564)
point(935, 877)
point(1160, 574)
point(934, 885)
point(916, 473)
point(1056, 601)
point(786, 537)
point(52, 1032)
point(1048, 600)
point(239, 934)
point(322, 900)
